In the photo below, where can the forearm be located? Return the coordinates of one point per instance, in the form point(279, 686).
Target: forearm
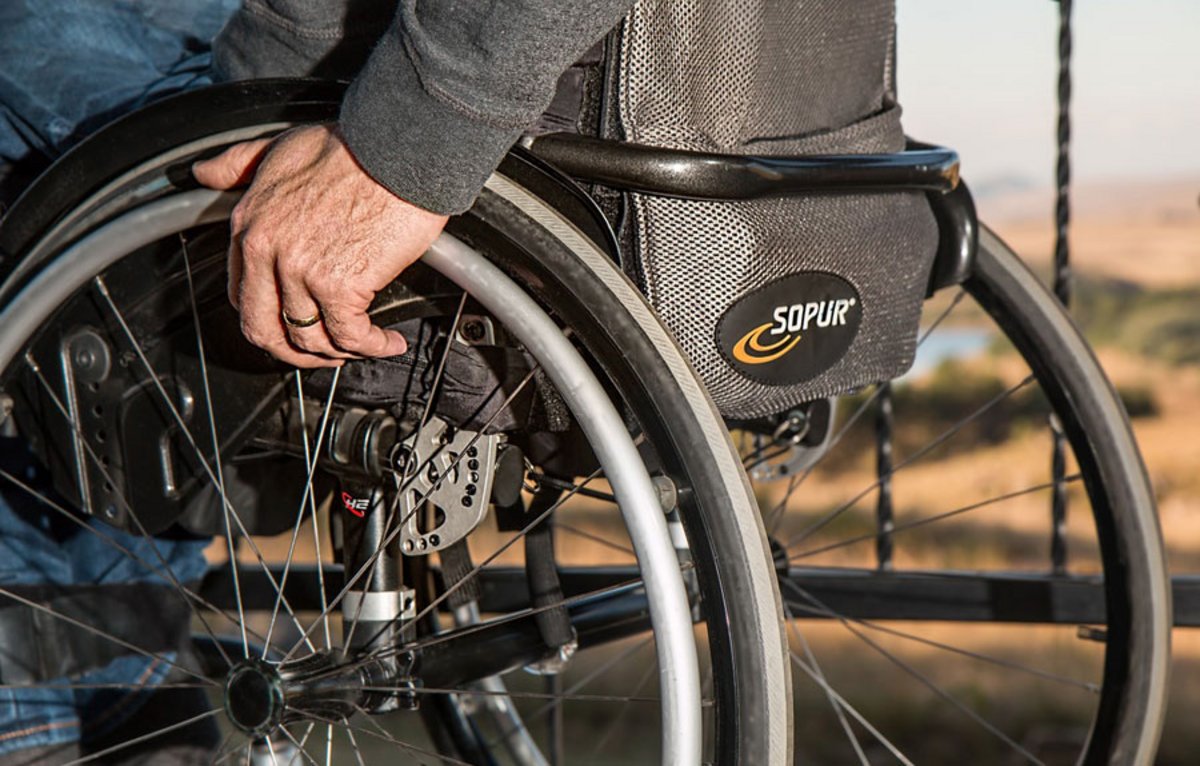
point(451, 85)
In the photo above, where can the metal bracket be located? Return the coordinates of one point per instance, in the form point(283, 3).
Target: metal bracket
point(802, 451)
point(454, 471)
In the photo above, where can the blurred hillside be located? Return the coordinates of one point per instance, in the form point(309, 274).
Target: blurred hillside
point(1144, 232)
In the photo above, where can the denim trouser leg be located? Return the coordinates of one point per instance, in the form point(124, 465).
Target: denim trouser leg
point(39, 545)
point(66, 67)
point(69, 66)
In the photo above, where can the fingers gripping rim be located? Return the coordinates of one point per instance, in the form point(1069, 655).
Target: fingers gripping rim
point(772, 712)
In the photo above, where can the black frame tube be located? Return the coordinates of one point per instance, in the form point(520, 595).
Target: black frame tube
point(706, 176)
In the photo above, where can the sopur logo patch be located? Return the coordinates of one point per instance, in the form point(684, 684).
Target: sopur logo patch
point(792, 329)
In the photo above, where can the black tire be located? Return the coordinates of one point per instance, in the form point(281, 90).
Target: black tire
point(1138, 591)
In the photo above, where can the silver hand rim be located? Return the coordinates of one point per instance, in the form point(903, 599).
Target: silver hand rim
point(669, 609)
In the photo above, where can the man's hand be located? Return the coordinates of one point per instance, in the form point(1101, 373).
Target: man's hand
point(314, 235)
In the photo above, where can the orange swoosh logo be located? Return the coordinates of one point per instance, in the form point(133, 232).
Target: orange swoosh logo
point(750, 342)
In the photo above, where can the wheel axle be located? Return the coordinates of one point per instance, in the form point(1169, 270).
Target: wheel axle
point(259, 695)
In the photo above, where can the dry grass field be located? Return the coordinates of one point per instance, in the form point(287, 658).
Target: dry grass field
point(1145, 232)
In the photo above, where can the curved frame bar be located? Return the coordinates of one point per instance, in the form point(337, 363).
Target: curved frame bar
point(701, 175)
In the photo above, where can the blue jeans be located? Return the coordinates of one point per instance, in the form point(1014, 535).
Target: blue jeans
point(67, 67)
point(39, 545)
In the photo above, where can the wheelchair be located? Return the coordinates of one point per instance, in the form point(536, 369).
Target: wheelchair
point(533, 538)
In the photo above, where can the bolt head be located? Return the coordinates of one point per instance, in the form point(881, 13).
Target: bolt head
point(473, 331)
point(401, 459)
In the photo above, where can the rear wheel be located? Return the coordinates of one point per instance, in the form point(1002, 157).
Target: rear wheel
point(133, 276)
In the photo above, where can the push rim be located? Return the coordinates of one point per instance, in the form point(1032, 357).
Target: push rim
point(30, 309)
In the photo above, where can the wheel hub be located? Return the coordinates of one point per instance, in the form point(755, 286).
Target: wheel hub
point(254, 699)
point(260, 695)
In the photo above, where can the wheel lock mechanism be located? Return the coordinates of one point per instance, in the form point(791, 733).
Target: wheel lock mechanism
point(442, 477)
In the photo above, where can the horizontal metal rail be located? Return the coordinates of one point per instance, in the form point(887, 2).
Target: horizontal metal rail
point(853, 593)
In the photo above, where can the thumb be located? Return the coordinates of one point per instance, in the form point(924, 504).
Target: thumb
point(233, 167)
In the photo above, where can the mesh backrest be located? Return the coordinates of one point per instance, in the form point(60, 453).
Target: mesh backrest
point(794, 77)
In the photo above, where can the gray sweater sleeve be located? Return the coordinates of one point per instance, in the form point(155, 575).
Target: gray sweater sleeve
point(447, 89)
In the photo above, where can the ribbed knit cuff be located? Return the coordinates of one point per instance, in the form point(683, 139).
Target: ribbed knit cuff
point(418, 146)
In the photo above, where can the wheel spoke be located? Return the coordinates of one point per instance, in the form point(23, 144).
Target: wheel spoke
point(387, 736)
point(550, 481)
point(224, 750)
point(998, 661)
point(820, 681)
point(190, 597)
point(311, 468)
point(103, 634)
point(937, 517)
point(299, 745)
point(558, 700)
point(165, 568)
point(212, 425)
point(923, 679)
point(471, 692)
point(380, 733)
point(490, 558)
point(444, 357)
point(775, 516)
point(127, 686)
point(615, 724)
point(958, 298)
point(395, 505)
point(102, 288)
point(457, 633)
point(937, 441)
point(838, 710)
point(353, 744)
point(461, 632)
point(558, 525)
point(310, 460)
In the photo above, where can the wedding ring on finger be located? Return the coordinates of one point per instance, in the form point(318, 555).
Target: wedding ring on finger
point(302, 322)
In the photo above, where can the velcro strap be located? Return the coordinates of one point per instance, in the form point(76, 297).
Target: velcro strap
point(42, 644)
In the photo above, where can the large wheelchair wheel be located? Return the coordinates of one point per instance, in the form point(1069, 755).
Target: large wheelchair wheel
point(949, 589)
point(537, 379)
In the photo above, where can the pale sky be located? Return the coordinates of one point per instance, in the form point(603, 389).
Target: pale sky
point(980, 76)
